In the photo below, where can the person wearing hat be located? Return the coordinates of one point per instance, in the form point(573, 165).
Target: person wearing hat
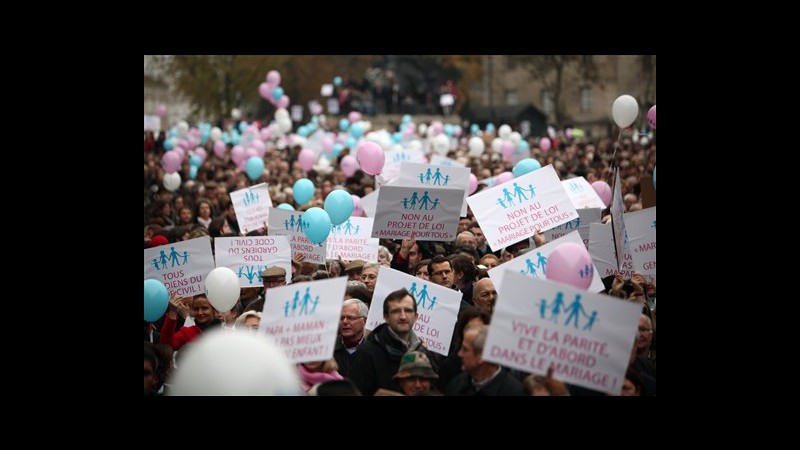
point(415, 374)
point(273, 276)
point(353, 269)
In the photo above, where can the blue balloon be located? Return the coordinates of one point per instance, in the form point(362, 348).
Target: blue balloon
point(525, 166)
point(474, 128)
point(303, 191)
point(397, 137)
point(236, 139)
point(303, 130)
point(490, 127)
point(448, 129)
point(344, 124)
point(317, 225)
point(206, 135)
point(523, 145)
point(350, 142)
point(156, 299)
point(277, 93)
point(254, 168)
point(654, 177)
point(337, 148)
point(195, 160)
point(357, 130)
point(242, 126)
point(192, 172)
point(173, 132)
point(337, 80)
point(168, 144)
point(406, 119)
point(339, 205)
point(286, 206)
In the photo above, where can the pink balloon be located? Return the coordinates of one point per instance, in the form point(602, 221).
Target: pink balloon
point(180, 152)
point(603, 190)
point(371, 158)
point(341, 138)
point(458, 131)
point(327, 144)
point(354, 116)
point(473, 183)
point(219, 148)
point(358, 209)
point(503, 177)
point(265, 134)
point(651, 117)
point(283, 102)
point(545, 144)
point(249, 153)
point(507, 150)
point(201, 152)
point(568, 133)
point(237, 154)
point(436, 128)
point(259, 147)
point(349, 165)
point(274, 77)
point(306, 159)
point(265, 90)
point(184, 144)
point(161, 110)
point(570, 263)
point(171, 161)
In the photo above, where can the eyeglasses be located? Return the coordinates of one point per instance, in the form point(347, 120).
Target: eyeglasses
point(645, 330)
point(350, 318)
point(148, 373)
point(442, 272)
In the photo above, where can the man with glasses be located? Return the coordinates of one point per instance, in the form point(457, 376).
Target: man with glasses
point(441, 272)
point(351, 333)
point(378, 359)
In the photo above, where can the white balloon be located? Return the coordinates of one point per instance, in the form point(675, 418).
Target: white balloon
point(215, 134)
point(183, 128)
point(299, 140)
point(172, 181)
point(281, 113)
point(497, 143)
point(476, 147)
point(415, 145)
point(285, 124)
point(644, 141)
point(367, 125)
point(625, 110)
point(239, 363)
point(422, 129)
point(222, 288)
point(441, 144)
point(504, 131)
point(515, 137)
point(551, 132)
point(236, 114)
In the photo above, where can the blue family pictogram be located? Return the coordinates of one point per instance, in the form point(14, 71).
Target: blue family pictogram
point(345, 228)
point(424, 300)
point(306, 305)
point(519, 194)
point(653, 226)
point(435, 179)
point(250, 198)
point(252, 273)
point(174, 259)
point(292, 225)
point(575, 186)
point(575, 312)
point(573, 223)
point(400, 157)
point(540, 264)
point(420, 202)
point(587, 271)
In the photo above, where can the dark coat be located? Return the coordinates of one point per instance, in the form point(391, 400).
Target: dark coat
point(502, 385)
point(378, 359)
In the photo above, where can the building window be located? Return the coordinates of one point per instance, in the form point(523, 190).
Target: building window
point(548, 101)
point(586, 99)
point(511, 97)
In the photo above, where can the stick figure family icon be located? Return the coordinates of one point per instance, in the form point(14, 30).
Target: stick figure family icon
point(301, 307)
point(291, 225)
point(519, 194)
point(250, 198)
point(553, 310)
point(418, 202)
point(345, 228)
point(424, 300)
point(435, 179)
point(174, 258)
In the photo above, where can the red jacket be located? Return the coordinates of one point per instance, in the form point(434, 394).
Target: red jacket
point(176, 340)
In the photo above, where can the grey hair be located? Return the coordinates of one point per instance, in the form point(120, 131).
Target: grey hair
point(363, 310)
point(480, 339)
point(383, 249)
point(371, 265)
point(241, 319)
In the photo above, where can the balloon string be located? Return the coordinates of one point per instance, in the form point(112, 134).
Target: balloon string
point(614, 155)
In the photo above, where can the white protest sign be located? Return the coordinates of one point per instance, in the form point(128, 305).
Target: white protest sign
point(303, 318)
point(251, 206)
point(431, 213)
point(585, 217)
point(641, 229)
point(290, 223)
point(326, 90)
point(351, 240)
point(617, 222)
point(587, 337)
point(333, 106)
point(248, 256)
point(181, 266)
point(447, 100)
point(514, 210)
point(369, 203)
point(601, 249)
point(534, 264)
point(297, 113)
point(152, 123)
point(398, 155)
point(440, 160)
point(437, 307)
point(582, 194)
point(314, 107)
point(424, 175)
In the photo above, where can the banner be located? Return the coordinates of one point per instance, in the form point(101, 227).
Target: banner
point(437, 307)
point(249, 256)
point(617, 222)
point(427, 175)
point(181, 266)
point(582, 194)
point(641, 229)
point(514, 210)
point(431, 213)
point(290, 223)
point(587, 337)
point(585, 217)
point(351, 240)
point(303, 318)
point(604, 256)
point(251, 206)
